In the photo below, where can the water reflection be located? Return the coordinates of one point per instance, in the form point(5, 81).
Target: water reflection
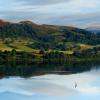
point(52, 87)
point(41, 69)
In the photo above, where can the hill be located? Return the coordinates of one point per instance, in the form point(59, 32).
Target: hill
point(28, 36)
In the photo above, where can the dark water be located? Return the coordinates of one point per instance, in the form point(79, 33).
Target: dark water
point(46, 68)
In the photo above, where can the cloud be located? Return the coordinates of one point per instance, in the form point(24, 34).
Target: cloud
point(79, 13)
point(42, 2)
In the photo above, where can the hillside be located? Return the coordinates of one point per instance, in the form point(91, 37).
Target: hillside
point(28, 36)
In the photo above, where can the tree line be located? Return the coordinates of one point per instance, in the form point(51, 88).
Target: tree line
point(51, 57)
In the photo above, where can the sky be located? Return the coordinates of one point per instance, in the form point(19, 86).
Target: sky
point(78, 13)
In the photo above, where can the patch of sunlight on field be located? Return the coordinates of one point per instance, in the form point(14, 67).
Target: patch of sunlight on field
point(85, 46)
point(65, 52)
point(23, 46)
point(19, 46)
point(4, 47)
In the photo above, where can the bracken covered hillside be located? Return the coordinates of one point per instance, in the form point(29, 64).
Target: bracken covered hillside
point(45, 36)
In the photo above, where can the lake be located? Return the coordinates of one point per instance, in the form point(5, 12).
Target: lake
point(50, 82)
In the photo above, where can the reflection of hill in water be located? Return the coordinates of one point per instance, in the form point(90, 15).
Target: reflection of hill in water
point(40, 69)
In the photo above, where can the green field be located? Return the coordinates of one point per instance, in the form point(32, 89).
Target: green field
point(22, 45)
point(18, 45)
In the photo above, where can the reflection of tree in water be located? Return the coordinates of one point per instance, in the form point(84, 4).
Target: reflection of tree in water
point(40, 69)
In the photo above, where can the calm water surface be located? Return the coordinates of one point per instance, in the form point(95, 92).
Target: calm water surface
point(52, 86)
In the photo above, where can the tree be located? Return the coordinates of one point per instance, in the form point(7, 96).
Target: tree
point(41, 51)
point(13, 55)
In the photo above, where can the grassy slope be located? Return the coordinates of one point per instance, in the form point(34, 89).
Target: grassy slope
point(4, 47)
point(18, 45)
point(22, 45)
